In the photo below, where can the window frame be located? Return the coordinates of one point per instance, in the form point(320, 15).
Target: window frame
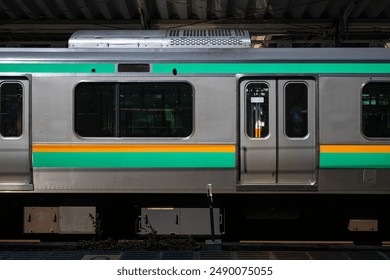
point(285, 109)
point(117, 107)
point(362, 124)
point(266, 120)
point(19, 135)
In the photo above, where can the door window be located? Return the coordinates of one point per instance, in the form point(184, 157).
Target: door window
point(257, 106)
point(296, 123)
point(11, 109)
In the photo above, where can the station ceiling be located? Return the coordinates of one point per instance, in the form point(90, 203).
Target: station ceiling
point(271, 23)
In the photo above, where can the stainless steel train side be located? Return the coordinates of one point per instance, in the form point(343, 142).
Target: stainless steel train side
point(259, 125)
point(342, 117)
point(213, 125)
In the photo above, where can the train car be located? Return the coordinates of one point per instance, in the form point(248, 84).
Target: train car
point(136, 128)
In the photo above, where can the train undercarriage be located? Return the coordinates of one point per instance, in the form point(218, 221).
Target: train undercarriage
point(236, 217)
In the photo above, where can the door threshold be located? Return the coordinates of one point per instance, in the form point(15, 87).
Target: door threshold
point(16, 187)
point(277, 188)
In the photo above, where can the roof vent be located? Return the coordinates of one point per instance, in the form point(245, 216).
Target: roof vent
point(217, 38)
point(204, 38)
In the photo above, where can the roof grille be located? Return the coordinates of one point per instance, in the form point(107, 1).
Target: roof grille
point(188, 38)
point(209, 38)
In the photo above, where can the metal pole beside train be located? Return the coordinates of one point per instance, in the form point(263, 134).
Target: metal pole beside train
point(210, 202)
point(212, 245)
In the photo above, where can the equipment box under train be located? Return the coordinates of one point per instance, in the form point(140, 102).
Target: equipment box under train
point(179, 221)
point(63, 220)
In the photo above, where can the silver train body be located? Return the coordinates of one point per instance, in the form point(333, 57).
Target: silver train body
point(157, 120)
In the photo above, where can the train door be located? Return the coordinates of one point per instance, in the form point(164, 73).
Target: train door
point(15, 156)
point(278, 135)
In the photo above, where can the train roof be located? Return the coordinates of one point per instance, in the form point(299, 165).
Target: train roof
point(182, 46)
point(195, 55)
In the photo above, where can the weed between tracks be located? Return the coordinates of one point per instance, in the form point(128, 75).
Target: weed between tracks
point(149, 243)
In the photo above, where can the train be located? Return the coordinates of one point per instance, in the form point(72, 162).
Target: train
point(193, 132)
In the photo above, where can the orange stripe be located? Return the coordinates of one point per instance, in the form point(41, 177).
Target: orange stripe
point(132, 148)
point(355, 149)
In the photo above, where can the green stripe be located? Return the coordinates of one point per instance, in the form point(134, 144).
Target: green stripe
point(210, 68)
point(133, 160)
point(271, 68)
point(355, 160)
point(190, 160)
point(58, 67)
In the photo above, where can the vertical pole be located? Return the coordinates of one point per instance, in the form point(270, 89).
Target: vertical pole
point(210, 202)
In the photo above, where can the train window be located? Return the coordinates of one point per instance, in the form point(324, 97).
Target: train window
point(11, 108)
point(95, 110)
point(134, 110)
point(156, 110)
point(376, 110)
point(295, 110)
point(257, 124)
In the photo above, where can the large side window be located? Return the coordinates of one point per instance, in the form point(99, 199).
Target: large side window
point(296, 123)
point(11, 108)
point(134, 110)
point(376, 110)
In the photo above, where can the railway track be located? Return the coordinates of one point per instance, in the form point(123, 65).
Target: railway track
point(244, 250)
